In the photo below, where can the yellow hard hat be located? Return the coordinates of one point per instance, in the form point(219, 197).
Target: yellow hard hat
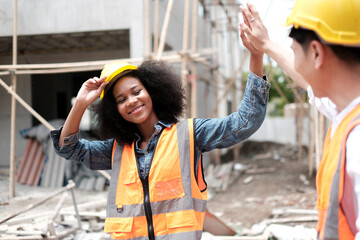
point(114, 71)
point(335, 21)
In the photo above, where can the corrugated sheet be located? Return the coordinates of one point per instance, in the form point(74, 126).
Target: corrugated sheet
point(54, 169)
point(44, 165)
point(31, 163)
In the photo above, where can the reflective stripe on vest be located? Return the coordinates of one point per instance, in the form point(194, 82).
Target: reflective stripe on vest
point(178, 207)
point(333, 223)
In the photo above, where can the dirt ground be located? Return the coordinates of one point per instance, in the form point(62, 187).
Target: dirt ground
point(249, 199)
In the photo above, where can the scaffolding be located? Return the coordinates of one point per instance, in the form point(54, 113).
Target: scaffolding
point(188, 56)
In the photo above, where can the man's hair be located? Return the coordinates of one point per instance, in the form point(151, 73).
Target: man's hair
point(345, 53)
point(167, 94)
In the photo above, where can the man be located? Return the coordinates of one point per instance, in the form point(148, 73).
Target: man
point(326, 62)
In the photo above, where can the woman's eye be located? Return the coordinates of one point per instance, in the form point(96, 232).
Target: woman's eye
point(121, 100)
point(137, 92)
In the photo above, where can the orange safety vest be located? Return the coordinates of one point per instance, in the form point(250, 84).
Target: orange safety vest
point(330, 182)
point(170, 203)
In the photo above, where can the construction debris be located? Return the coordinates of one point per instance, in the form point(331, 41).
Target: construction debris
point(49, 229)
point(40, 165)
point(62, 221)
point(273, 231)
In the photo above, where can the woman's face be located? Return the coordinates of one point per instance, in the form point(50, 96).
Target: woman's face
point(134, 102)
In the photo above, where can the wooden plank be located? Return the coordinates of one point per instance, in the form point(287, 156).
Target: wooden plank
point(260, 170)
point(282, 211)
point(293, 219)
point(39, 202)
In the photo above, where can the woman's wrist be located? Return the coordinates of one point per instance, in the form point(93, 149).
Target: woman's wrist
point(256, 64)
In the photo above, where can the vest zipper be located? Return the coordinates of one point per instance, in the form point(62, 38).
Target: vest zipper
point(147, 206)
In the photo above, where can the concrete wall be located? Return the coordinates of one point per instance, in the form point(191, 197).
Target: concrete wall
point(23, 119)
point(38, 17)
point(67, 16)
point(281, 130)
point(64, 16)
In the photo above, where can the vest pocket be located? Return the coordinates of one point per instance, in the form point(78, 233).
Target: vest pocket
point(118, 225)
point(128, 183)
point(169, 189)
point(130, 177)
point(180, 219)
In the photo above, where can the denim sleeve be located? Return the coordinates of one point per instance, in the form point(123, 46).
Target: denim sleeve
point(227, 131)
point(95, 155)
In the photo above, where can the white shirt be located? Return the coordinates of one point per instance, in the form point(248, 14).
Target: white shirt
point(329, 110)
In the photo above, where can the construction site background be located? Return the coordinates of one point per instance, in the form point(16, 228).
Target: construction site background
point(49, 48)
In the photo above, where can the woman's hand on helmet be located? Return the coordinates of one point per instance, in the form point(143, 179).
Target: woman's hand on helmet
point(91, 89)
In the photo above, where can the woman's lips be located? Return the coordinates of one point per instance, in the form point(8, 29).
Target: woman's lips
point(136, 110)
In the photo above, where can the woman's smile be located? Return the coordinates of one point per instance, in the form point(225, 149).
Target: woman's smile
point(137, 109)
point(134, 102)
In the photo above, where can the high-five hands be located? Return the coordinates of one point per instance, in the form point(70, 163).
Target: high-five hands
point(253, 33)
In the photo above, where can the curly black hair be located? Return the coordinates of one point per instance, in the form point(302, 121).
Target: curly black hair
point(165, 88)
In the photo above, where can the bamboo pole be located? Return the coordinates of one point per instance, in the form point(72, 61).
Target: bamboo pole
point(185, 59)
point(311, 134)
point(170, 59)
point(300, 124)
point(233, 89)
point(322, 123)
point(217, 77)
point(156, 26)
point(51, 227)
point(99, 64)
point(147, 29)
point(12, 174)
point(296, 93)
point(37, 115)
point(231, 82)
point(317, 137)
point(164, 30)
point(194, 26)
point(26, 106)
point(193, 68)
point(95, 65)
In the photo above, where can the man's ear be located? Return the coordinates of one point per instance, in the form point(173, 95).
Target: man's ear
point(317, 53)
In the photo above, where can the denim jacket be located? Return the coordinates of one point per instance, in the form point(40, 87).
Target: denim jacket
point(210, 133)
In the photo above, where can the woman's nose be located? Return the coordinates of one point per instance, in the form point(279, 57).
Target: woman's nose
point(131, 99)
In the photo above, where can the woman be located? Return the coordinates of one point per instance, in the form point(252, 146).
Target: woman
point(157, 188)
